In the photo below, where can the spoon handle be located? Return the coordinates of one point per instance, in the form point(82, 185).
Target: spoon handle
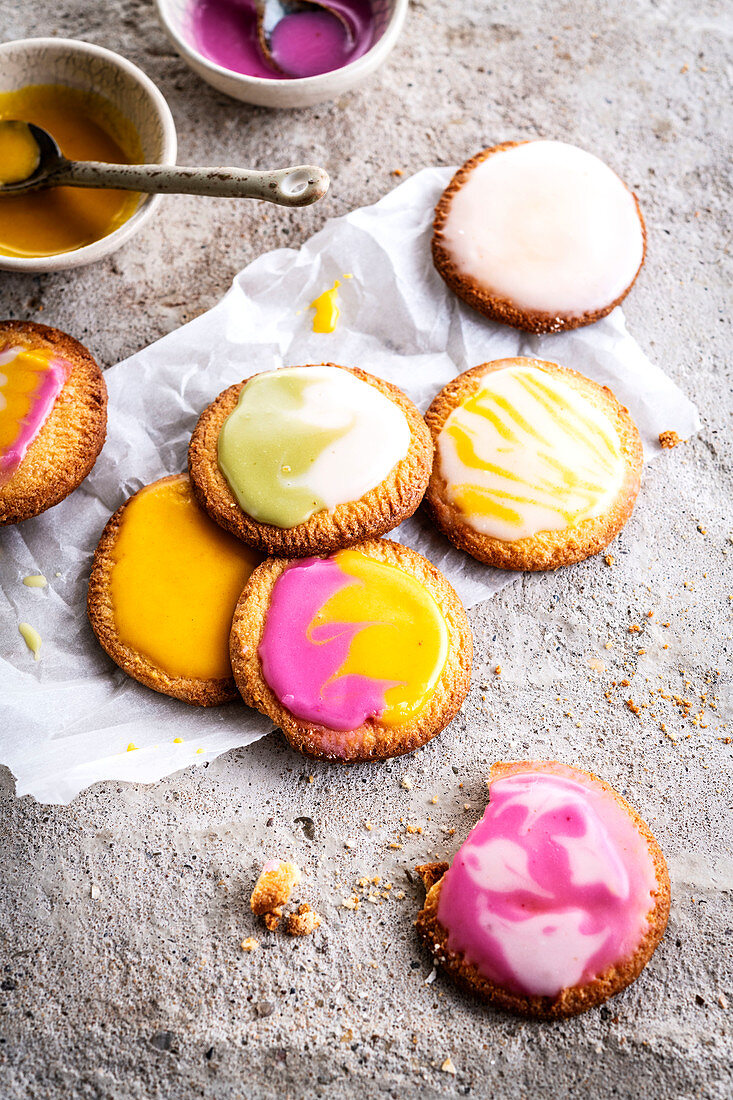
point(297, 186)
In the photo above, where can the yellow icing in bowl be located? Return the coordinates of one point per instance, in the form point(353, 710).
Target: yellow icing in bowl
point(86, 126)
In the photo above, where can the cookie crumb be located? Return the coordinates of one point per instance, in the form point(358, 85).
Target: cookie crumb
point(448, 1066)
point(272, 920)
point(406, 783)
point(274, 886)
point(669, 439)
point(250, 944)
point(302, 923)
point(609, 559)
point(497, 670)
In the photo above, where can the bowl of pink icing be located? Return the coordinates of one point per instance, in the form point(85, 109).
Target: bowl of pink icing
point(317, 55)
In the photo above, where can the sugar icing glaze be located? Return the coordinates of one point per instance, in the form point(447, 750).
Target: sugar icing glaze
point(175, 582)
point(548, 227)
point(553, 885)
point(304, 439)
point(302, 44)
point(527, 453)
point(349, 638)
point(30, 382)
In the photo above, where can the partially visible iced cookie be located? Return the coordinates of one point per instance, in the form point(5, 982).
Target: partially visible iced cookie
point(556, 900)
point(305, 460)
point(53, 417)
point(539, 235)
point(359, 656)
point(164, 585)
point(536, 466)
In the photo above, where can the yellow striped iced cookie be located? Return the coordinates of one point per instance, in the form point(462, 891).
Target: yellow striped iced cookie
point(535, 467)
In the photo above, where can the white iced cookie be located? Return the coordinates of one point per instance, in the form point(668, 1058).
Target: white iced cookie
point(536, 466)
point(539, 235)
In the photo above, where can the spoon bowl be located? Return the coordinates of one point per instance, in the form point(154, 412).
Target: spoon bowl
point(270, 13)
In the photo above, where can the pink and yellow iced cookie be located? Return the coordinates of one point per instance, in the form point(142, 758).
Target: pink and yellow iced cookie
point(535, 466)
point(53, 417)
point(162, 592)
point(540, 235)
point(556, 900)
point(362, 655)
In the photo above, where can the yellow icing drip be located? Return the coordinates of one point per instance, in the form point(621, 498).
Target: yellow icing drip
point(412, 636)
point(35, 580)
point(32, 639)
point(175, 582)
point(327, 311)
point(526, 452)
point(19, 153)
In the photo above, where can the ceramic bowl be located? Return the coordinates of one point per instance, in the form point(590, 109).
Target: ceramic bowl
point(94, 69)
point(176, 18)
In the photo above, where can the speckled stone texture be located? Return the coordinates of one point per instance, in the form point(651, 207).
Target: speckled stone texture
point(121, 916)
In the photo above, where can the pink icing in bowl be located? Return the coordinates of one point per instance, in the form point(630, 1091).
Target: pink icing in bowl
point(303, 44)
point(270, 89)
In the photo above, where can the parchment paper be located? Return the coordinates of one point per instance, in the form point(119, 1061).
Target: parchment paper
point(67, 719)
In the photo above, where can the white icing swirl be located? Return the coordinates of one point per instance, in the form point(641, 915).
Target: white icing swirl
point(527, 453)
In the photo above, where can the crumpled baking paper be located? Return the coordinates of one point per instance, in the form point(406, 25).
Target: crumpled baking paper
point(66, 720)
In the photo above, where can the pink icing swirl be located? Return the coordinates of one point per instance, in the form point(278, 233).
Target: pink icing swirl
point(301, 662)
point(50, 383)
point(552, 886)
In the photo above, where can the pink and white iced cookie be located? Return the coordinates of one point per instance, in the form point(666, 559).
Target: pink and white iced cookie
point(53, 417)
point(539, 235)
point(557, 898)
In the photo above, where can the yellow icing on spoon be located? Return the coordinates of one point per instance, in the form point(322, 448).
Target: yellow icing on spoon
point(32, 639)
point(19, 153)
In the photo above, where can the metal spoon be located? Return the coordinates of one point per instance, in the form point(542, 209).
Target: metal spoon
point(271, 12)
point(297, 186)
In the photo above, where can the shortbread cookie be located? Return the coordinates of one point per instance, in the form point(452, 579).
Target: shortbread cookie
point(164, 585)
point(305, 460)
point(536, 466)
point(359, 656)
point(556, 900)
point(539, 235)
point(53, 417)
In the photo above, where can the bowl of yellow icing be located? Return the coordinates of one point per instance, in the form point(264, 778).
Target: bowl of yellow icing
point(98, 106)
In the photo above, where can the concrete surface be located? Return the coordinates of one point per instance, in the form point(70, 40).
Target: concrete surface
point(121, 916)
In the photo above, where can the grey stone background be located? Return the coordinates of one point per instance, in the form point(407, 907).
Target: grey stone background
point(121, 916)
